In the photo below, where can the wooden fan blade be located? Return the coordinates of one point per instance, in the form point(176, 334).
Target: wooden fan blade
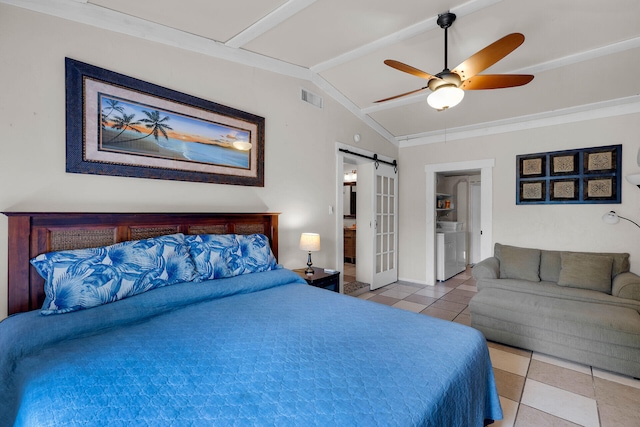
point(400, 96)
point(409, 69)
point(488, 56)
point(495, 81)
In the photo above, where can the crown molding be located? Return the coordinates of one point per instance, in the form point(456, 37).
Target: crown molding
point(598, 110)
point(100, 17)
point(97, 16)
point(533, 69)
point(89, 14)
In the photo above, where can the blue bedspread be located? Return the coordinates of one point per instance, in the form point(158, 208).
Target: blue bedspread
point(258, 349)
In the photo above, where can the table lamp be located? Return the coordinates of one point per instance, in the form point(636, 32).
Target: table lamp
point(309, 242)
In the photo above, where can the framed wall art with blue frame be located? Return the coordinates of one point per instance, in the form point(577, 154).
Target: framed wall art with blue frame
point(584, 175)
point(122, 126)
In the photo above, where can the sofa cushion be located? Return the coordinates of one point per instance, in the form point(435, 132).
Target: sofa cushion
point(573, 323)
point(620, 263)
point(586, 271)
point(552, 290)
point(550, 265)
point(518, 263)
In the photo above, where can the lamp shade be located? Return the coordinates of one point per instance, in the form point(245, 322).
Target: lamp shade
point(445, 97)
point(610, 218)
point(310, 242)
point(634, 179)
point(613, 218)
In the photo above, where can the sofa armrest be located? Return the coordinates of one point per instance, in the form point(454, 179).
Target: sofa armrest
point(487, 269)
point(626, 285)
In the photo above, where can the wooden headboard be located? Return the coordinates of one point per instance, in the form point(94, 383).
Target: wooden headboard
point(31, 234)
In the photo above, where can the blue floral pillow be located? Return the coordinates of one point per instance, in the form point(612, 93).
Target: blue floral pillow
point(226, 255)
point(84, 278)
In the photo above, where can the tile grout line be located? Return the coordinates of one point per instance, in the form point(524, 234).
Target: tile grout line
point(595, 395)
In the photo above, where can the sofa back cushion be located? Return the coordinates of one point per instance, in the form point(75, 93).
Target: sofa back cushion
point(551, 263)
point(586, 271)
point(518, 263)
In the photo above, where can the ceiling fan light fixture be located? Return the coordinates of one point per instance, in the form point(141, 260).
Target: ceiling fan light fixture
point(444, 97)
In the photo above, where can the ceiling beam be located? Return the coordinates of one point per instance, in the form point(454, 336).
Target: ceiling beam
point(268, 22)
point(85, 13)
point(581, 56)
point(107, 19)
point(319, 81)
point(404, 34)
point(533, 69)
point(96, 16)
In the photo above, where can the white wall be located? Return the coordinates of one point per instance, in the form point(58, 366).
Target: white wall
point(563, 227)
point(300, 139)
point(300, 156)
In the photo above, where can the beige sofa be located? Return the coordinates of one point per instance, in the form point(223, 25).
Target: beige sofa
point(579, 306)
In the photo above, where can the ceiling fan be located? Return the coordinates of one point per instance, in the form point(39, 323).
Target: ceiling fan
point(448, 86)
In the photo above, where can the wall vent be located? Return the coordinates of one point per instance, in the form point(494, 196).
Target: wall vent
point(311, 98)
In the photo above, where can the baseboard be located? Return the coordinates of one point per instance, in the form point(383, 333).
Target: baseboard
point(417, 282)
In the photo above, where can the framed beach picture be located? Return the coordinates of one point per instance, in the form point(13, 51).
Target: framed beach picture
point(122, 126)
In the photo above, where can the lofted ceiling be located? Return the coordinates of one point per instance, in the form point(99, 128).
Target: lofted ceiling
point(585, 55)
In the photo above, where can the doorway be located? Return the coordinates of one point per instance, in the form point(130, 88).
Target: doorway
point(486, 208)
point(366, 218)
point(346, 163)
point(350, 200)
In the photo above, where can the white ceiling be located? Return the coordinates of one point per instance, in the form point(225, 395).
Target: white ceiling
point(585, 54)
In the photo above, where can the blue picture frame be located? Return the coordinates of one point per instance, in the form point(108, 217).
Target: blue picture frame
point(580, 176)
point(122, 126)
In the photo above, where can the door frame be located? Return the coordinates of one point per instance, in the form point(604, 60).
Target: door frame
point(339, 232)
point(474, 256)
point(486, 208)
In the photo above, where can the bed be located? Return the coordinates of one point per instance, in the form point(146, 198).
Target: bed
point(262, 348)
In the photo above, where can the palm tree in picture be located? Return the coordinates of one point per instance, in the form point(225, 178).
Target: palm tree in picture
point(156, 123)
point(123, 123)
point(112, 105)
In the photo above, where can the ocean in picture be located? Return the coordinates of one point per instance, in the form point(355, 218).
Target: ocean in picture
point(131, 128)
point(177, 149)
point(206, 153)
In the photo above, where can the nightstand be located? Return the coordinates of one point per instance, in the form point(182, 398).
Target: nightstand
point(320, 279)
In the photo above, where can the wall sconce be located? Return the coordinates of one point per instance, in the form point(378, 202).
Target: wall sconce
point(309, 242)
point(613, 218)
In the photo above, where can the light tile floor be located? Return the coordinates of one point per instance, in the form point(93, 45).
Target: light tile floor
point(535, 389)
